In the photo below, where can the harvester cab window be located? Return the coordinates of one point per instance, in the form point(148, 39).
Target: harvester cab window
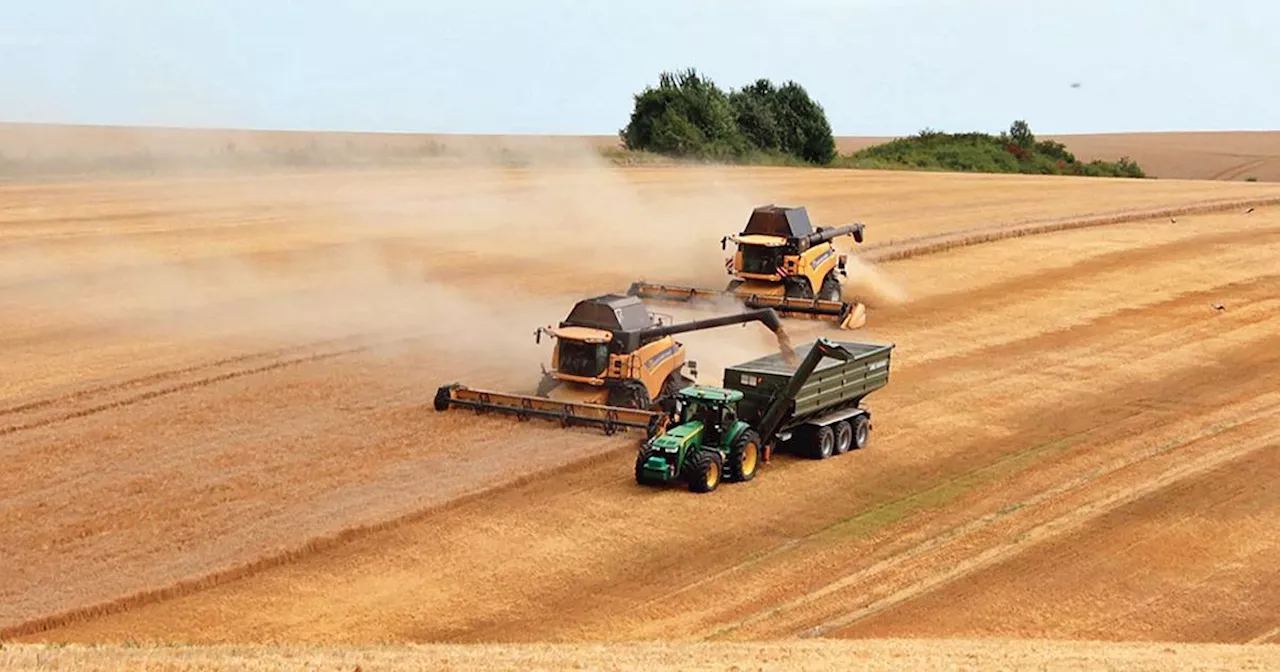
point(760, 259)
point(583, 359)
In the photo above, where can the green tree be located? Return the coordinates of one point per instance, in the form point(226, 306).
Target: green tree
point(805, 130)
point(754, 108)
point(685, 115)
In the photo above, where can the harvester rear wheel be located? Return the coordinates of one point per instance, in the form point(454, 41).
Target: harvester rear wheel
point(824, 443)
point(706, 470)
point(844, 437)
point(831, 288)
point(744, 459)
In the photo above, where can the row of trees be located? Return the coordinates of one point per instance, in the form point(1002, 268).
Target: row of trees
point(688, 115)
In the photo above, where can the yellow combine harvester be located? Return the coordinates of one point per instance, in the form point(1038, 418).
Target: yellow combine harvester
point(782, 262)
point(614, 364)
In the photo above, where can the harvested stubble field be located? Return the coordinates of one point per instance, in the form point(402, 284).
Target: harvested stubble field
point(216, 418)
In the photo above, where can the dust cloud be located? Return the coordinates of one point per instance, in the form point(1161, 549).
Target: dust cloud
point(870, 285)
point(465, 258)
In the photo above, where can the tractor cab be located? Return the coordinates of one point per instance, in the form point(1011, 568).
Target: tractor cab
point(715, 408)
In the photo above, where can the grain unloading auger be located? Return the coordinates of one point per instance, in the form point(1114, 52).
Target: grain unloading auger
point(615, 365)
point(783, 263)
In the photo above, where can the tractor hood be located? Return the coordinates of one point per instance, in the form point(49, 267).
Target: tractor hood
point(679, 436)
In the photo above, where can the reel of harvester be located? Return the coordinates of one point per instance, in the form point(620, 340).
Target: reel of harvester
point(569, 413)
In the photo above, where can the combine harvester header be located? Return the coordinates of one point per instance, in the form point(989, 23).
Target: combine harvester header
point(615, 365)
point(782, 262)
point(568, 413)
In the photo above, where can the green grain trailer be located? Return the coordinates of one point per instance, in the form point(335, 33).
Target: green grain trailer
point(812, 409)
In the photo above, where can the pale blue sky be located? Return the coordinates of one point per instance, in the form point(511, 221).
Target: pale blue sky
point(879, 67)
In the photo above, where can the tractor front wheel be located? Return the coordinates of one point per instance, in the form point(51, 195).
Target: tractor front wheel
point(744, 458)
point(641, 478)
point(706, 470)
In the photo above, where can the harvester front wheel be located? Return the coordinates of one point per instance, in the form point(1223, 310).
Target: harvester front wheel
point(545, 385)
point(844, 437)
point(670, 388)
point(629, 394)
point(706, 470)
point(744, 459)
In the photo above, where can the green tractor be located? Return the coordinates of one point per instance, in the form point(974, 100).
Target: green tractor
point(709, 443)
point(725, 433)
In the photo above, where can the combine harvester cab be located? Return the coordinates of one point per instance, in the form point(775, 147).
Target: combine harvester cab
point(813, 409)
point(614, 364)
point(781, 262)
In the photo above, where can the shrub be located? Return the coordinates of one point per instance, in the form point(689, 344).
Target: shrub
point(1012, 151)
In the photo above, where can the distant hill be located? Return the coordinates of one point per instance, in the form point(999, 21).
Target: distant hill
point(1227, 155)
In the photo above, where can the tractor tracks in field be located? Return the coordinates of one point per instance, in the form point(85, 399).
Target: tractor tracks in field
point(297, 553)
point(908, 248)
point(1240, 169)
point(89, 401)
point(955, 553)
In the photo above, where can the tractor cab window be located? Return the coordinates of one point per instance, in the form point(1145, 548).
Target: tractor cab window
point(760, 259)
point(583, 359)
point(712, 417)
point(689, 410)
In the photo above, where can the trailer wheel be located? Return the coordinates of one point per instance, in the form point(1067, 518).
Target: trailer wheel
point(744, 460)
point(844, 437)
point(861, 432)
point(706, 470)
point(824, 443)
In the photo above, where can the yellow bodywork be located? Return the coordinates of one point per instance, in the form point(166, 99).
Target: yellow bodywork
point(650, 365)
point(814, 264)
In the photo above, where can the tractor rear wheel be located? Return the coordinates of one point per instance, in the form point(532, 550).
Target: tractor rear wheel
point(824, 443)
point(706, 470)
point(744, 457)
